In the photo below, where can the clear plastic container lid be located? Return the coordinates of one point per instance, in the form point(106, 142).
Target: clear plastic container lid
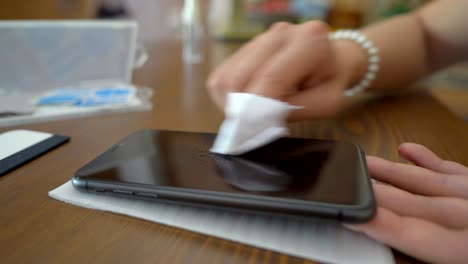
point(36, 56)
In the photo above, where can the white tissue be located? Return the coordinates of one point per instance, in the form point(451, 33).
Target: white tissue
point(320, 241)
point(251, 121)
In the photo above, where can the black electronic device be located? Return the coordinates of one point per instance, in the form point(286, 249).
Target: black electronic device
point(290, 176)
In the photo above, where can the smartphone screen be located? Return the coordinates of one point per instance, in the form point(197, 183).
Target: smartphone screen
point(294, 168)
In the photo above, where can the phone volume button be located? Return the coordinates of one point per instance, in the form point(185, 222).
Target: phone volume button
point(122, 192)
point(147, 195)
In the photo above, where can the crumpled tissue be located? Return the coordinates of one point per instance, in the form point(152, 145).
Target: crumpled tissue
point(251, 121)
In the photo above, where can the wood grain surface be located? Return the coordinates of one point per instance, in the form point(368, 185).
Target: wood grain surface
point(38, 229)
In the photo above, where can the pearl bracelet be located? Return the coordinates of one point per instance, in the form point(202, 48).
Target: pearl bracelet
point(372, 56)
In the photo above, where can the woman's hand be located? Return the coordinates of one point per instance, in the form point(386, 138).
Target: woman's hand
point(424, 210)
point(294, 63)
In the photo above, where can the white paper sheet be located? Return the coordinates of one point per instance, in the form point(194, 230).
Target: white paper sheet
point(325, 242)
point(251, 122)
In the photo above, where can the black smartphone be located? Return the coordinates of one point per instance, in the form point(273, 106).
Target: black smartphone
point(290, 176)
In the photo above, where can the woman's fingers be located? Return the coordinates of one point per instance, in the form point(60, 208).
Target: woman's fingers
point(422, 156)
point(323, 100)
point(449, 212)
point(430, 228)
point(234, 74)
point(416, 237)
point(293, 64)
point(218, 81)
point(418, 180)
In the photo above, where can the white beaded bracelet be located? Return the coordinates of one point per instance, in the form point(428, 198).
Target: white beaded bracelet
point(372, 55)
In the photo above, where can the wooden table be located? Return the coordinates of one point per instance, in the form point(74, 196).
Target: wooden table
point(36, 228)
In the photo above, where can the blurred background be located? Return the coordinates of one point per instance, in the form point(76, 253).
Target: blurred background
point(230, 21)
point(229, 14)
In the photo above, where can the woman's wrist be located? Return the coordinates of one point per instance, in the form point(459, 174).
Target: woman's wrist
point(352, 61)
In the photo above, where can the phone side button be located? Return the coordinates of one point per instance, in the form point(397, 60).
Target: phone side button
point(147, 195)
point(122, 192)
